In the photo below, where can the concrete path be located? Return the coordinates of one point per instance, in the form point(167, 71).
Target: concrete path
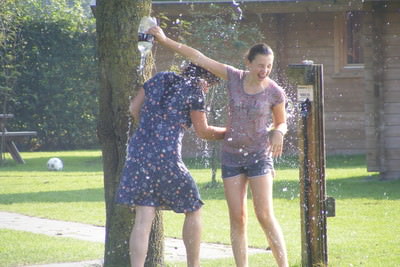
point(174, 248)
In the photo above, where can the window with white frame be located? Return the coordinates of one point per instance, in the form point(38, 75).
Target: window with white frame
point(348, 41)
point(353, 38)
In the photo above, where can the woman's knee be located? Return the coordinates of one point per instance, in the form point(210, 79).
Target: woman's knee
point(193, 214)
point(144, 215)
point(193, 217)
point(238, 218)
point(265, 217)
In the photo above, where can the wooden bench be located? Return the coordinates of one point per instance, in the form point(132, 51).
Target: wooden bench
point(15, 135)
point(7, 138)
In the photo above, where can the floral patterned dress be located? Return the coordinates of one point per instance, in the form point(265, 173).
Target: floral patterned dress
point(154, 173)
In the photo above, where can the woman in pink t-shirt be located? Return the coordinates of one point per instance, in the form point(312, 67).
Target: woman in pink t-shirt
point(249, 146)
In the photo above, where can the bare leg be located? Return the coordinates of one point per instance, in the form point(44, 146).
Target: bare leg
point(139, 239)
point(236, 197)
point(261, 188)
point(192, 237)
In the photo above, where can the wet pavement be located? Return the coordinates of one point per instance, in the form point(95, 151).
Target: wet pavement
point(174, 248)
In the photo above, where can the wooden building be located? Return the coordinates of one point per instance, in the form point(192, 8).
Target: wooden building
point(358, 43)
point(382, 87)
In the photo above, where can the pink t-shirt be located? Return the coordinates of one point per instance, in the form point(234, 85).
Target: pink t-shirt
point(247, 138)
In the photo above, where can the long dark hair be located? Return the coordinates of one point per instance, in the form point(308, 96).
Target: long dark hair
point(196, 72)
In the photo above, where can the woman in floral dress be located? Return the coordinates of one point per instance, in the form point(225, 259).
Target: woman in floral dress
point(154, 176)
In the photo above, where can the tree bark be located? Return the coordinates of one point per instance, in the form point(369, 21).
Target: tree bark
point(117, 24)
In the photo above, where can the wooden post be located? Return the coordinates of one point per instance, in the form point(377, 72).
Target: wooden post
point(308, 79)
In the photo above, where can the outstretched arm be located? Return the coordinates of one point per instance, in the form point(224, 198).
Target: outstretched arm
point(203, 130)
point(190, 53)
point(136, 104)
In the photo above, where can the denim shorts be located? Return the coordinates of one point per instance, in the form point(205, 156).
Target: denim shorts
point(262, 167)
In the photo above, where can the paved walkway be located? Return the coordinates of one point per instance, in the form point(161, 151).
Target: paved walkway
point(174, 248)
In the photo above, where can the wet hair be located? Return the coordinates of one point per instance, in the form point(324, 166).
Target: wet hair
point(194, 71)
point(259, 49)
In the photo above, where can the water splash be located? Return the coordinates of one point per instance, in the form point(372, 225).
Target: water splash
point(145, 40)
point(142, 62)
point(239, 11)
point(128, 134)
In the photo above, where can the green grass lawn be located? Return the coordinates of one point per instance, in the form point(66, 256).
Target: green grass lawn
point(365, 231)
point(20, 248)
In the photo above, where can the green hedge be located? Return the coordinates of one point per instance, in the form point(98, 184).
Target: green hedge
point(55, 93)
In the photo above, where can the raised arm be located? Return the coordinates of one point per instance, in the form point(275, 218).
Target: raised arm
point(203, 130)
point(136, 104)
point(195, 56)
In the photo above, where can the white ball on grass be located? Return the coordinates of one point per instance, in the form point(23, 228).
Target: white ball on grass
point(55, 164)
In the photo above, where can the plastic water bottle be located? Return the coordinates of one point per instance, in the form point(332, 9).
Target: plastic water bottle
point(145, 40)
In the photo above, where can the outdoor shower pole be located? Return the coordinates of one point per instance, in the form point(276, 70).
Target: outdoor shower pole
point(308, 79)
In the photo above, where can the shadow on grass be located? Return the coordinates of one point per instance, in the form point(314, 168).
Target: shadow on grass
point(84, 195)
point(71, 164)
point(333, 162)
point(347, 188)
point(369, 187)
point(292, 162)
point(76, 163)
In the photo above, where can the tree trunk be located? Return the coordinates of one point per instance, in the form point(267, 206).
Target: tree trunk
point(117, 24)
